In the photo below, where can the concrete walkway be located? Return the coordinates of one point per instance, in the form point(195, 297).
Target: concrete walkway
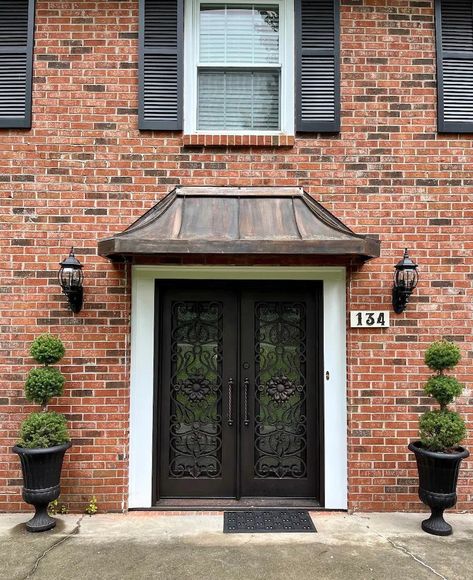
point(148, 546)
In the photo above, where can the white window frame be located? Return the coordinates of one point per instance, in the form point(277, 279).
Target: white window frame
point(286, 63)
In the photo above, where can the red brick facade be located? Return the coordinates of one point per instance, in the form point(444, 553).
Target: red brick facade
point(84, 171)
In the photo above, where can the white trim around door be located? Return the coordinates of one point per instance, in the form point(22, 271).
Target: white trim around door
point(142, 368)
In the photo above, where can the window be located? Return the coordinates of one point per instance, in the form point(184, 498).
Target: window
point(243, 67)
point(16, 62)
point(237, 74)
point(454, 25)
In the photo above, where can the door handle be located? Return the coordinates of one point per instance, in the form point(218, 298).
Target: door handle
point(230, 395)
point(246, 384)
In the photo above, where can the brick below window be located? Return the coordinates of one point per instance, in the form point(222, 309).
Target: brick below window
point(239, 140)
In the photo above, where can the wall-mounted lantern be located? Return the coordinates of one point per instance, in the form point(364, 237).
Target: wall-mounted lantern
point(405, 280)
point(70, 278)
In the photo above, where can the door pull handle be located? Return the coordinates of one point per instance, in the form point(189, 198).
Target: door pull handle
point(230, 395)
point(246, 384)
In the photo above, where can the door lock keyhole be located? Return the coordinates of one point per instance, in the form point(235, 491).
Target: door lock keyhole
point(246, 365)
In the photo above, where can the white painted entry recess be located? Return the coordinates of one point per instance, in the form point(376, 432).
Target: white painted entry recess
point(142, 361)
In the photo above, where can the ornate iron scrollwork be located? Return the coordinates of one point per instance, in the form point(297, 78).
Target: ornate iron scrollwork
point(195, 439)
point(196, 387)
point(280, 423)
point(281, 388)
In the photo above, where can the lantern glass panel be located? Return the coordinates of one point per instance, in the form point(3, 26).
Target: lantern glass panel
point(406, 279)
point(71, 277)
point(410, 278)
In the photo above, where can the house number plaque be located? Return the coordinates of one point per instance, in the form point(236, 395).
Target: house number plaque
point(369, 318)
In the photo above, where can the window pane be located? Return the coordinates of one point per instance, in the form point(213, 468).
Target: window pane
point(238, 100)
point(245, 34)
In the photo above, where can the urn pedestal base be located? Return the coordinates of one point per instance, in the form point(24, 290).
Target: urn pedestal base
point(41, 521)
point(436, 525)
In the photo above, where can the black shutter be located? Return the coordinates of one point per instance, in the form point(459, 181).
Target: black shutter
point(454, 37)
point(16, 62)
point(317, 66)
point(161, 64)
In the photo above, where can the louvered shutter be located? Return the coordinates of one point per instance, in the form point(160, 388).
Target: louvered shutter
point(16, 62)
point(161, 64)
point(454, 27)
point(317, 66)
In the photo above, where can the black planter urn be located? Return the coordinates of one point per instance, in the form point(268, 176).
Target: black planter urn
point(41, 477)
point(438, 475)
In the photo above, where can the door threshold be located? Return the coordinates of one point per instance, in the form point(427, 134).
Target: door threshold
point(209, 504)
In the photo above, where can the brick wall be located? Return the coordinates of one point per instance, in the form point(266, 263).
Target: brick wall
point(84, 171)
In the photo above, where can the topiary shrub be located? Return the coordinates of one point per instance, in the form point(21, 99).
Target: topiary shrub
point(442, 355)
point(43, 430)
point(444, 389)
point(47, 349)
point(43, 384)
point(442, 429)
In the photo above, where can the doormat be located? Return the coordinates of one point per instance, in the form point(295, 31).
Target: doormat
point(267, 521)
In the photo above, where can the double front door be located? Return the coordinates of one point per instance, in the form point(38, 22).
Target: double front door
point(238, 400)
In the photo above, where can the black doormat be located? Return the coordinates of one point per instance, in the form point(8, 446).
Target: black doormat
point(267, 521)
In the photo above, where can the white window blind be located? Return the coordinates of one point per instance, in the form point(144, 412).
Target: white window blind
point(238, 78)
point(239, 34)
point(238, 100)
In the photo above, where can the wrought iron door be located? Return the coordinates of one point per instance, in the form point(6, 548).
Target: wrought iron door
point(280, 375)
point(197, 447)
point(239, 391)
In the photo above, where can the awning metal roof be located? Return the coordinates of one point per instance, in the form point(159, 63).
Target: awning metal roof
point(236, 221)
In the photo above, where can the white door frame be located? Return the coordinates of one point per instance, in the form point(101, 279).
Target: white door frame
point(142, 368)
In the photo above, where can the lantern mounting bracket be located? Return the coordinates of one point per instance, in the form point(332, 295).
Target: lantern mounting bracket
point(400, 299)
point(75, 298)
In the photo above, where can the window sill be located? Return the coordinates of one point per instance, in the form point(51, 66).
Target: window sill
point(212, 140)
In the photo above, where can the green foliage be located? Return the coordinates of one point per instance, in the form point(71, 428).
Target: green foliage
point(41, 430)
point(92, 508)
point(42, 384)
point(47, 349)
point(441, 430)
point(442, 355)
point(46, 429)
point(55, 508)
point(444, 389)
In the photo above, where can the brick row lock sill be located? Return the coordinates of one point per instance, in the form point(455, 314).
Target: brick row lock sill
point(239, 140)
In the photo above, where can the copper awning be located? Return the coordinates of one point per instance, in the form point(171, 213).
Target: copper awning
point(237, 221)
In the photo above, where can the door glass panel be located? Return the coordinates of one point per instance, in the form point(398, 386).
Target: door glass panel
point(280, 428)
point(195, 443)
